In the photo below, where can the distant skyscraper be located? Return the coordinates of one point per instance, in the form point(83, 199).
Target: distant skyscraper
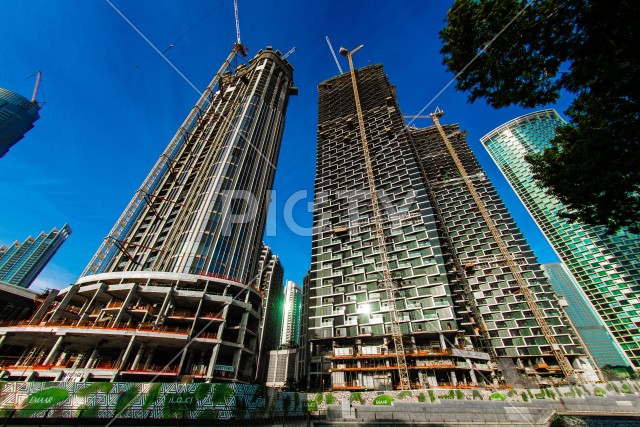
point(591, 328)
point(449, 274)
point(21, 263)
point(270, 276)
point(180, 266)
point(17, 115)
point(606, 267)
point(291, 314)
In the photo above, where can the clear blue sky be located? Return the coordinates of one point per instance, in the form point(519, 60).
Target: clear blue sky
point(113, 103)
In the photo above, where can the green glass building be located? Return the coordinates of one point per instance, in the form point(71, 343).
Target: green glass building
point(605, 267)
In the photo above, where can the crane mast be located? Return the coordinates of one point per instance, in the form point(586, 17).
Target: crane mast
point(35, 89)
point(239, 47)
point(396, 332)
point(523, 286)
point(335, 58)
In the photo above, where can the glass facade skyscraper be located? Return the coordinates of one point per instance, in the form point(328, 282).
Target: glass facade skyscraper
point(291, 314)
point(17, 115)
point(21, 263)
point(586, 321)
point(607, 268)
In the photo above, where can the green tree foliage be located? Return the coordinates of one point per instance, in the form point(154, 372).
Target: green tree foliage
point(585, 47)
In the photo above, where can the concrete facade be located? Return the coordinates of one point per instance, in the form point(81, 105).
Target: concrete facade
point(445, 265)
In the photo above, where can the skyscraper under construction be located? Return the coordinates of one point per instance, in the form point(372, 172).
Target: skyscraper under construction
point(180, 266)
point(468, 299)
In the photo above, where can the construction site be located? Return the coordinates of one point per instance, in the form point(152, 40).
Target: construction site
point(420, 278)
point(179, 286)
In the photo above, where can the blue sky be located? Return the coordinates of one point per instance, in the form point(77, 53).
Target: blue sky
point(113, 103)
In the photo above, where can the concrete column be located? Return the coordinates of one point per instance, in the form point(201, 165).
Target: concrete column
point(65, 301)
point(86, 311)
point(92, 358)
point(193, 331)
point(138, 357)
point(54, 350)
point(187, 366)
point(454, 379)
point(77, 361)
point(62, 358)
point(163, 309)
point(182, 359)
point(472, 372)
point(212, 361)
point(243, 327)
point(443, 342)
point(147, 363)
point(42, 310)
point(236, 362)
point(127, 352)
point(126, 303)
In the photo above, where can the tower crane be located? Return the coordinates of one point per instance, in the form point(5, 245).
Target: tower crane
point(387, 280)
point(286, 55)
point(335, 58)
point(35, 89)
point(238, 47)
point(523, 286)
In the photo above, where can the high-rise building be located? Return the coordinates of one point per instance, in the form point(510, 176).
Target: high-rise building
point(173, 290)
point(605, 266)
point(586, 321)
point(290, 334)
point(21, 263)
point(270, 276)
point(303, 359)
point(460, 312)
point(283, 368)
point(17, 115)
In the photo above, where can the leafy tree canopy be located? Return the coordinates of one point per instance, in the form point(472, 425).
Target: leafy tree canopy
point(586, 47)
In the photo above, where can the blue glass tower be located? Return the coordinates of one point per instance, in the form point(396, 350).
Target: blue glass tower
point(17, 115)
point(605, 267)
point(21, 263)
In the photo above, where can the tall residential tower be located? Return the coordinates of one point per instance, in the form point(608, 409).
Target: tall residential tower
point(174, 288)
point(606, 267)
point(290, 334)
point(460, 312)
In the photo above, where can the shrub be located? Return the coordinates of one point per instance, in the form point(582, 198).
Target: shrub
point(525, 397)
point(459, 395)
point(422, 398)
point(404, 394)
point(356, 397)
point(447, 396)
point(626, 388)
point(599, 391)
point(512, 393)
point(330, 399)
point(477, 395)
point(432, 397)
point(497, 396)
point(549, 393)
